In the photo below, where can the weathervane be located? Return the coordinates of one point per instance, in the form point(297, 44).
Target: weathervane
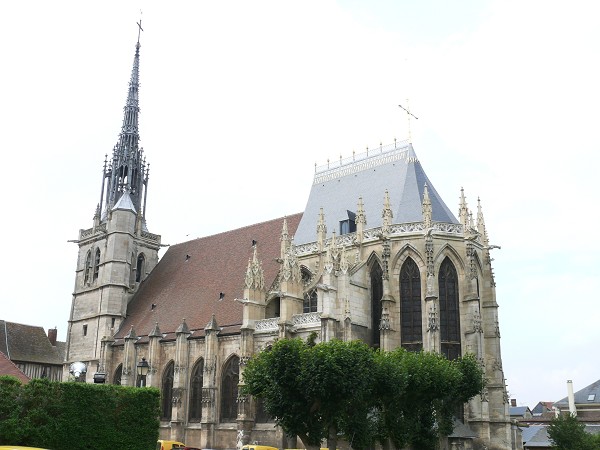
point(408, 114)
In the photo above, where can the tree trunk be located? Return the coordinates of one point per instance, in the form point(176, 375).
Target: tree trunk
point(332, 438)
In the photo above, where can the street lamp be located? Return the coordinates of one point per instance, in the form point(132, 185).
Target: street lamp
point(142, 370)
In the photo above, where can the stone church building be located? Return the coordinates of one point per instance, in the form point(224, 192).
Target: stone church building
point(376, 256)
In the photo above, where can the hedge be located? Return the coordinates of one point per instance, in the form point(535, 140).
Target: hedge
point(74, 416)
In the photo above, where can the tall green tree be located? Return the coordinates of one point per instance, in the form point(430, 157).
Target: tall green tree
point(336, 388)
point(418, 393)
point(317, 391)
point(568, 433)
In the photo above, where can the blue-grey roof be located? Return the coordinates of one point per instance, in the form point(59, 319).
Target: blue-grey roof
point(393, 169)
point(536, 436)
point(125, 203)
point(518, 410)
point(582, 396)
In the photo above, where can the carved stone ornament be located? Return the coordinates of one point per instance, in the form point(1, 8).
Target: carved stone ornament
point(384, 324)
point(244, 360)
point(432, 321)
point(477, 323)
point(485, 395)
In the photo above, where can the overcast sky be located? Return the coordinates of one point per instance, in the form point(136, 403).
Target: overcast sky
point(239, 100)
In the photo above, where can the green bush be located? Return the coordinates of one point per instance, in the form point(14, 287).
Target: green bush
point(73, 416)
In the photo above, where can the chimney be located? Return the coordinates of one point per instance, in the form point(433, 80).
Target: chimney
point(52, 336)
point(571, 398)
point(513, 402)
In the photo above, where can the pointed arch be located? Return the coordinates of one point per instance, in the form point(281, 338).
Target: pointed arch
point(230, 379)
point(449, 310)
point(376, 285)
point(96, 264)
point(140, 267)
point(407, 251)
point(447, 251)
point(118, 375)
point(87, 268)
point(310, 301)
point(273, 308)
point(166, 391)
point(411, 321)
point(196, 382)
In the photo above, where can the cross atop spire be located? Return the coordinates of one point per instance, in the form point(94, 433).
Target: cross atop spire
point(139, 24)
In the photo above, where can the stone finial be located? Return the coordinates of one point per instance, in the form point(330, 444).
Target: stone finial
point(426, 208)
point(387, 214)
point(255, 278)
point(155, 331)
point(183, 328)
point(360, 220)
point(212, 325)
point(361, 217)
point(285, 238)
point(463, 210)
point(131, 334)
point(321, 229)
point(481, 224)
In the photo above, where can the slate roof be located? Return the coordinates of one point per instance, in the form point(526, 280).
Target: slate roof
point(462, 430)
point(519, 410)
point(7, 367)
point(188, 279)
point(581, 397)
point(536, 436)
point(542, 407)
point(396, 170)
point(29, 343)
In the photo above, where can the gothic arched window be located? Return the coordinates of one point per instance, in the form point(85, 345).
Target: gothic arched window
point(376, 296)
point(449, 310)
point(118, 375)
point(196, 382)
point(410, 306)
point(229, 389)
point(310, 301)
point(87, 268)
point(96, 264)
point(167, 392)
point(139, 271)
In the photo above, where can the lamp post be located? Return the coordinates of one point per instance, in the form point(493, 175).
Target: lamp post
point(142, 371)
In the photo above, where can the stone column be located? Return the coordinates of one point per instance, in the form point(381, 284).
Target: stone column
point(180, 383)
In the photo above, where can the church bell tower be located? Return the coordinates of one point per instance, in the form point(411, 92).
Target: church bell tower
point(117, 252)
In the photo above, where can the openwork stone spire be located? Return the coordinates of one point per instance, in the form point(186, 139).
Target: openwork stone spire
point(463, 210)
point(321, 229)
point(426, 208)
point(255, 278)
point(127, 170)
point(481, 224)
point(387, 214)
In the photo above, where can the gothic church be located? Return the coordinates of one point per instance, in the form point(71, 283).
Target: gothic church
point(376, 255)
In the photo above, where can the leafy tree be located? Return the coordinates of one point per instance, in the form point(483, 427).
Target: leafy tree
point(419, 393)
point(316, 391)
point(568, 433)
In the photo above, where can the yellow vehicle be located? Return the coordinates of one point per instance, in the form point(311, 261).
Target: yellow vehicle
point(169, 445)
point(258, 447)
point(18, 447)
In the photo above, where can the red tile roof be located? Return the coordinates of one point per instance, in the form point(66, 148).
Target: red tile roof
point(188, 279)
point(7, 367)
